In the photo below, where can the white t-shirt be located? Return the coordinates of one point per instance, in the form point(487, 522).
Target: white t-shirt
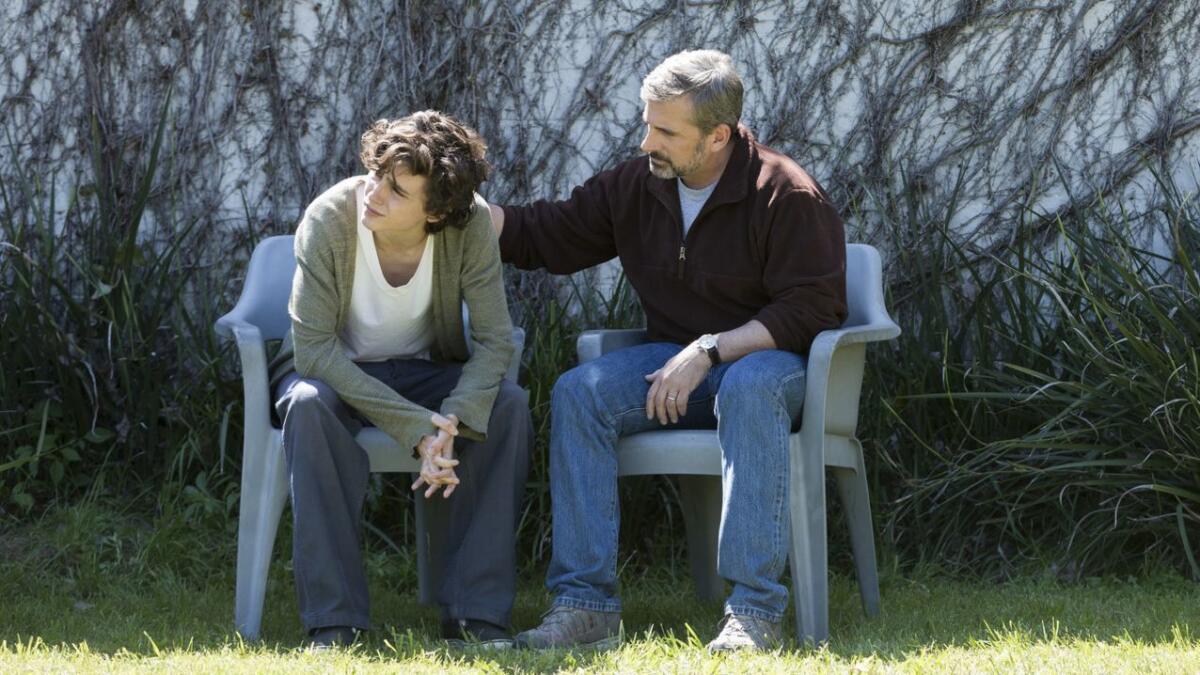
point(691, 201)
point(388, 322)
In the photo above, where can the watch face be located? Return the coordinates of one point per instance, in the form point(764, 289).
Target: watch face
point(708, 342)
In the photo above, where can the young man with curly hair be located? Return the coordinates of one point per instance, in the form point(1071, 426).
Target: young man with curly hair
point(385, 262)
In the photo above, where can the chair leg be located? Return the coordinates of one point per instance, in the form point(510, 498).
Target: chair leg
point(264, 492)
point(852, 486)
point(430, 548)
point(701, 497)
point(810, 558)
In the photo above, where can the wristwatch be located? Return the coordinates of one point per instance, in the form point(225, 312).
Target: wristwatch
point(708, 344)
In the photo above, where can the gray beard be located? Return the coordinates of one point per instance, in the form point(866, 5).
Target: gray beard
point(667, 170)
point(664, 170)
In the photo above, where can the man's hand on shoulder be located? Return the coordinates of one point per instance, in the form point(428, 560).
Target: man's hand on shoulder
point(497, 218)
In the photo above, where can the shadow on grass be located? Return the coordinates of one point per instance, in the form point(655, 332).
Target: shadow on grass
point(122, 587)
point(933, 612)
point(159, 613)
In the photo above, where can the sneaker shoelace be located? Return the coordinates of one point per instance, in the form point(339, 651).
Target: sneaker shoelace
point(564, 617)
point(737, 624)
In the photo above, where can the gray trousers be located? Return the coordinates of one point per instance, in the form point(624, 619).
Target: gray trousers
point(328, 473)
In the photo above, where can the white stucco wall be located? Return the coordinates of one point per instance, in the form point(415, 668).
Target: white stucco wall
point(1033, 105)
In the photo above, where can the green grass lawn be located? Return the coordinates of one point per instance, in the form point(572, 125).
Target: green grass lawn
point(86, 590)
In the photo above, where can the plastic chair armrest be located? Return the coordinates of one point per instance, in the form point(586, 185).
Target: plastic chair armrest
point(876, 331)
point(592, 344)
point(255, 381)
point(233, 319)
point(514, 366)
point(820, 363)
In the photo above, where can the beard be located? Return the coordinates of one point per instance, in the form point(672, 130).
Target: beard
point(662, 167)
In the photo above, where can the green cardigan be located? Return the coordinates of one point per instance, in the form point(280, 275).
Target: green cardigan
point(466, 267)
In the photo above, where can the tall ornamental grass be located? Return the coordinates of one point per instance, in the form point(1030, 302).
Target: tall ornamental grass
point(109, 378)
point(1042, 410)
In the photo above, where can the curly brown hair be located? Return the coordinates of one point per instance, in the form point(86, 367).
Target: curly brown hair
point(437, 146)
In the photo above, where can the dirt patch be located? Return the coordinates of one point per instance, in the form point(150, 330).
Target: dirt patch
point(18, 547)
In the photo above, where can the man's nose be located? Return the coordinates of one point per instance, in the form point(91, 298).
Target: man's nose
point(646, 145)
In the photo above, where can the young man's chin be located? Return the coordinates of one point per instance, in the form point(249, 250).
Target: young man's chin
point(376, 226)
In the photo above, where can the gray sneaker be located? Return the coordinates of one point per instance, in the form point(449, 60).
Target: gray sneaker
point(566, 626)
point(746, 632)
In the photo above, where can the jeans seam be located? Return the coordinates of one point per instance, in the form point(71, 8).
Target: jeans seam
point(778, 396)
point(691, 402)
point(753, 612)
point(619, 415)
point(783, 425)
point(608, 606)
point(782, 512)
point(787, 380)
point(609, 418)
point(781, 488)
point(614, 505)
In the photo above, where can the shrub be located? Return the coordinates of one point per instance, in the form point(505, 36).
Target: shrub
point(1045, 401)
point(109, 376)
point(1042, 406)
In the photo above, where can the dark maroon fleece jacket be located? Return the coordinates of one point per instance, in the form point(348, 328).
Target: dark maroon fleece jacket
point(767, 245)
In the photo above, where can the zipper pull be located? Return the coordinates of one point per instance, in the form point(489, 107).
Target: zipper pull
point(682, 259)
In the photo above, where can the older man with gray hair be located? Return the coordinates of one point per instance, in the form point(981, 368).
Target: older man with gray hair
point(739, 260)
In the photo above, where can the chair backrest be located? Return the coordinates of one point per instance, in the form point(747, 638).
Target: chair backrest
point(268, 286)
point(864, 285)
point(273, 265)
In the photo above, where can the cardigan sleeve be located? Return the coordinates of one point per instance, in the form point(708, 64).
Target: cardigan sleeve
point(491, 328)
point(319, 352)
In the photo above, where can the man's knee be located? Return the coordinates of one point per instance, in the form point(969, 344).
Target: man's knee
point(760, 379)
point(306, 397)
point(309, 410)
point(575, 386)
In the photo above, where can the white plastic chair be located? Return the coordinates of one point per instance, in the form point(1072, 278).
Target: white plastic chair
point(260, 315)
point(826, 439)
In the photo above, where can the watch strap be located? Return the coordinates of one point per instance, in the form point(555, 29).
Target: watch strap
point(714, 354)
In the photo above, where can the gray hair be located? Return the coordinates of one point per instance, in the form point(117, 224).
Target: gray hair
point(708, 77)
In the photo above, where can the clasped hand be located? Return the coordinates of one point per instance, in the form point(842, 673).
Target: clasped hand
point(671, 385)
point(437, 457)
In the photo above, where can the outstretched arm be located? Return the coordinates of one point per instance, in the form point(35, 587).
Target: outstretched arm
point(561, 236)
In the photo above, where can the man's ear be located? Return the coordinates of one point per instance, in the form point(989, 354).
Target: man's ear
point(721, 136)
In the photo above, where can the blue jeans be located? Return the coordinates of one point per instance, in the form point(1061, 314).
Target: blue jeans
point(753, 403)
